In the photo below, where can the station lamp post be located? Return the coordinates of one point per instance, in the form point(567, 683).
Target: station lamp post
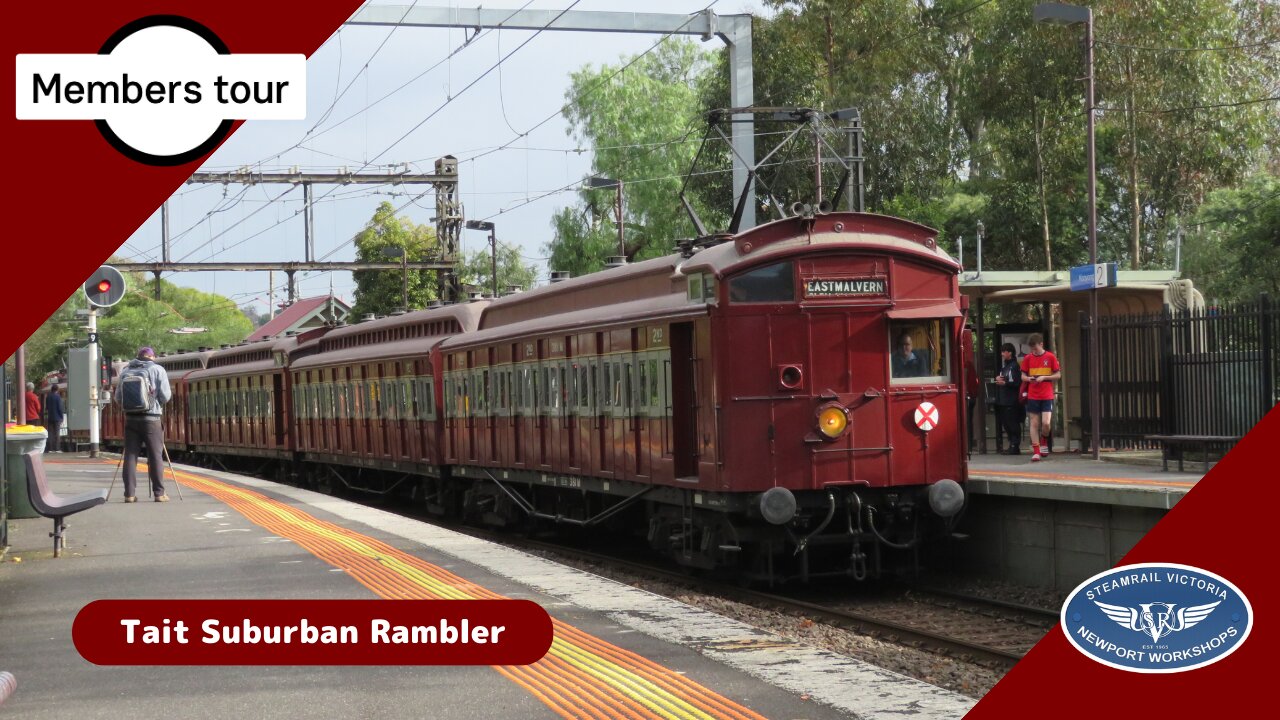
point(493, 249)
point(603, 182)
point(1061, 14)
point(397, 251)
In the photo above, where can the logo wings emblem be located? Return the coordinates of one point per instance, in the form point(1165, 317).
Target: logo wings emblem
point(1157, 619)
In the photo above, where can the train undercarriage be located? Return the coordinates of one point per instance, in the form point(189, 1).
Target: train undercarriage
point(774, 537)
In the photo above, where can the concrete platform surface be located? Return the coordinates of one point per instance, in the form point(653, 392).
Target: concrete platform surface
point(1072, 477)
point(618, 652)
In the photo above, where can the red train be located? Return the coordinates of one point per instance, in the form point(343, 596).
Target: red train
point(788, 402)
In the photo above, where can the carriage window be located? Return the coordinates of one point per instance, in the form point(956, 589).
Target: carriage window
point(918, 351)
point(771, 283)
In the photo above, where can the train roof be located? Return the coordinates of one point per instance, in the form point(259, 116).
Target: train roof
point(184, 362)
point(835, 231)
point(412, 333)
point(244, 357)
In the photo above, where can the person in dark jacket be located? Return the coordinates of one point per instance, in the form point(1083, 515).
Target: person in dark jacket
point(54, 414)
point(1008, 404)
point(144, 426)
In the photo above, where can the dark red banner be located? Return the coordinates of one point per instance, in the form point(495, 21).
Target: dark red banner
point(312, 632)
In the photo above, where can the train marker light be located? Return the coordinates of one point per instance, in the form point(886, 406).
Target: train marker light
point(833, 420)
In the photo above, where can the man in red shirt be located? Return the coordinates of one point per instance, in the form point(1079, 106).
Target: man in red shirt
point(33, 405)
point(1039, 369)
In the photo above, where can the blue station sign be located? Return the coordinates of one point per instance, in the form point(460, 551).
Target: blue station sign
point(1088, 277)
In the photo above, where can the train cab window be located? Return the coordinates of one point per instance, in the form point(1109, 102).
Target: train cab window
point(771, 283)
point(918, 352)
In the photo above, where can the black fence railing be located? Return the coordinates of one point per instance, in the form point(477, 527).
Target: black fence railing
point(1210, 372)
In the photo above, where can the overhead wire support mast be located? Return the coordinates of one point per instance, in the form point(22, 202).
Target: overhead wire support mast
point(734, 30)
point(448, 221)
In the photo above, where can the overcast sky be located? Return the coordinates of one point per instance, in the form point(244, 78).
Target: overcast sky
point(498, 109)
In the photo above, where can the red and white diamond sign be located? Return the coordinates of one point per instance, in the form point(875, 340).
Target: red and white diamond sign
point(926, 416)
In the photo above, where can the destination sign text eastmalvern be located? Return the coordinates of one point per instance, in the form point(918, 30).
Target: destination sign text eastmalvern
point(844, 287)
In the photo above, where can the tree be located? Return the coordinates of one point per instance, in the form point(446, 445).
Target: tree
point(477, 270)
point(1232, 246)
point(643, 126)
point(380, 291)
point(182, 319)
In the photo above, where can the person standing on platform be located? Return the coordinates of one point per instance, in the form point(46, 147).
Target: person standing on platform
point(1040, 369)
point(32, 401)
point(54, 414)
point(1008, 405)
point(142, 391)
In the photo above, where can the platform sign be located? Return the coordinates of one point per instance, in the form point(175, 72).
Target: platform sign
point(926, 416)
point(1088, 277)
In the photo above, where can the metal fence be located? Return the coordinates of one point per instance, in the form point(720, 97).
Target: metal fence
point(1210, 372)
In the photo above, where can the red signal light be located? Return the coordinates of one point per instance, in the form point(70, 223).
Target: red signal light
point(104, 286)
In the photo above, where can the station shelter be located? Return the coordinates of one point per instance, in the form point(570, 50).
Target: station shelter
point(1060, 315)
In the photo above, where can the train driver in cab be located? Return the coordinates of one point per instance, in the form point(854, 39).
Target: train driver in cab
point(905, 362)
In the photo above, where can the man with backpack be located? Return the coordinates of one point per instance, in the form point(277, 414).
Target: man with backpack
point(142, 391)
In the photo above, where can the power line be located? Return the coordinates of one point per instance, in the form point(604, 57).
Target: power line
point(1223, 48)
point(1188, 108)
point(598, 84)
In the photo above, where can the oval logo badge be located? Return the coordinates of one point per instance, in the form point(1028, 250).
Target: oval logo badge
point(1157, 618)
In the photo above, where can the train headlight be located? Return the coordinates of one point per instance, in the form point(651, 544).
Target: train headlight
point(833, 421)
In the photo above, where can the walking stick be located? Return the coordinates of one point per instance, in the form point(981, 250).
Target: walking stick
point(176, 484)
point(116, 474)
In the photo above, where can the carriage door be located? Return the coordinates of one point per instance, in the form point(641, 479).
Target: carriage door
point(682, 399)
point(277, 406)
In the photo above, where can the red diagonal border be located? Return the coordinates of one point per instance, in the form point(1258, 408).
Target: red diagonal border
point(1226, 524)
point(74, 199)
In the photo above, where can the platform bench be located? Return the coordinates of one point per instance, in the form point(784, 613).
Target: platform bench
point(1174, 444)
point(57, 507)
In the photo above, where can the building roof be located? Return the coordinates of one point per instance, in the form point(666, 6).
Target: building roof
point(295, 316)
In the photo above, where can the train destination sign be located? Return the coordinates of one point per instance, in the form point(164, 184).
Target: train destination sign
point(845, 287)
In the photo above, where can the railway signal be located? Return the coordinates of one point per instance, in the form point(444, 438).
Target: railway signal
point(105, 287)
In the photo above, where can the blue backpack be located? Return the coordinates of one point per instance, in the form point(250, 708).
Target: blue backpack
point(136, 393)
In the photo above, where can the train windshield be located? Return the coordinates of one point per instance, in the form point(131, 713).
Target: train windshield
point(918, 352)
point(771, 283)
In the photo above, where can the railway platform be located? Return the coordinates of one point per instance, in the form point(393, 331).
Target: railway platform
point(1054, 523)
point(1071, 477)
point(618, 651)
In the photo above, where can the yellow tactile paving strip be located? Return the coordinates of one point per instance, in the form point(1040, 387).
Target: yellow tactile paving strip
point(581, 676)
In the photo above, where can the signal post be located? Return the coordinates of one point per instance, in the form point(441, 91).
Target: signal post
point(104, 288)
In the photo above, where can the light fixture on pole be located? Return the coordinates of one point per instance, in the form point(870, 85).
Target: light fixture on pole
point(493, 249)
point(1061, 14)
point(397, 251)
point(602, 182)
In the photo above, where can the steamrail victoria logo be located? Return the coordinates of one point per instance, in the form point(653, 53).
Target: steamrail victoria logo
point(1157, 618)
point(163, 90)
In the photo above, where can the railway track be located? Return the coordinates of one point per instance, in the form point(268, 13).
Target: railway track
point(986, 632)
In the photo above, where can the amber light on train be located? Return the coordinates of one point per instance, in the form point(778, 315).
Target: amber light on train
point(833, 421)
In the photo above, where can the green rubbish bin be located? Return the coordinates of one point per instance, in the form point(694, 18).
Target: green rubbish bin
point(18, 441)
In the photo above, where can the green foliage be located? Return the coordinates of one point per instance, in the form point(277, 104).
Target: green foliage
point(644, 125)
point(381, 291)
point(1232, 246)
point(139, 319)
point(477, 270)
